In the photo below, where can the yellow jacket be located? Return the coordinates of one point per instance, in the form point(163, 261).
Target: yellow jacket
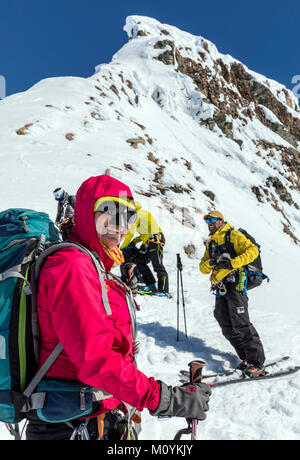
point(145, 225)
point(246, 252)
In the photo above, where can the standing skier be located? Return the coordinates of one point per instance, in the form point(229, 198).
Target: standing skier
point(227, 278)
point(65, 211)
point(151, 250)
point(99, 336)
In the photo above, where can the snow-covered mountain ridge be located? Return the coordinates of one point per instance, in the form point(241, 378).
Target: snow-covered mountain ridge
point(172, 99)
point(188, 129)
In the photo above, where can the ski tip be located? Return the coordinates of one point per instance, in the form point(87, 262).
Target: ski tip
point(156, 294)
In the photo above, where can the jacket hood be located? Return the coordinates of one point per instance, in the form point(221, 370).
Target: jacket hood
point(88, 193)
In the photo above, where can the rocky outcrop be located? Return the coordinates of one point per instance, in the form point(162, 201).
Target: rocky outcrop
point(24, 130)
point(236, 95)
point(233, 91)
point(254, 91)
point(290, 158)
point(167, 57)
point(281, 190)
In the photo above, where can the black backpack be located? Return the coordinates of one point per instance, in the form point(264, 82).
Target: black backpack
point(254, 271)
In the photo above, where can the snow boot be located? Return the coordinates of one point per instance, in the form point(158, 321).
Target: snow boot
point(252, 371)
point(150, 287)
point(163, 294)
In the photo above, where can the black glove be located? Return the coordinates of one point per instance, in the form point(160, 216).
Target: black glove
point(124, 272)
point(143, 249)
point(212, 262)
point(189, 401)
point(224, 262)
point(132, 282)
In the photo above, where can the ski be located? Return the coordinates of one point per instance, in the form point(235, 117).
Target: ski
point(268, 376)
point(229, 373)
point(155, 294)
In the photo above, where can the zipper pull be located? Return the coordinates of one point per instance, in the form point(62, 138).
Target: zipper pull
point(24, 224)
point(82, 398)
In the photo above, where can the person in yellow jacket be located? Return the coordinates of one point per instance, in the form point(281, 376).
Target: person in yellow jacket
point(151, 250)
point(227, 278)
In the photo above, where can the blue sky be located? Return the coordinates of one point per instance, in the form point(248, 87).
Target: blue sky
point(43, 38)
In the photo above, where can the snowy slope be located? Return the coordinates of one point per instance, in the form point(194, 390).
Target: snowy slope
point(174, 137)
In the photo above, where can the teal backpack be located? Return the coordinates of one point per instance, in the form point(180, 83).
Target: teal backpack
point(20, 244)
point(27, 238)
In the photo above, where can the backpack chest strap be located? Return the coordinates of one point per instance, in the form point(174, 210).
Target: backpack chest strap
point(219, 249)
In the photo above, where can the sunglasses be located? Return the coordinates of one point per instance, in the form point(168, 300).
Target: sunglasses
point(120, 214)
point(212, 219)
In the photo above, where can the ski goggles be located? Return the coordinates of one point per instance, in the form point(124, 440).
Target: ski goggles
point(122, 211)
point(212, 219)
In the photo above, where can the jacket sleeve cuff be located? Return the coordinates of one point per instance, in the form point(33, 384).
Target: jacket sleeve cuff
point(164, 400)
point(205, 267)
point(235, 264)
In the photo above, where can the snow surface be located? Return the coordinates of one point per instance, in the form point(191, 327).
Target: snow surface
point(136, 96)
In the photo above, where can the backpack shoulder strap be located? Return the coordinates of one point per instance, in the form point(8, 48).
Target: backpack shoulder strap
point(42, 371)
point(229, 245)
point(35, 272)
point(250, 237)
point(68, 244)
point(15, 272)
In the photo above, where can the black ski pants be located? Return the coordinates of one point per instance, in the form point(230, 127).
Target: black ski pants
point(231, 312)
point(142, 257)
point(153, 253)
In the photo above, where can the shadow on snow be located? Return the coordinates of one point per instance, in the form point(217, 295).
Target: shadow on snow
point(166, 336)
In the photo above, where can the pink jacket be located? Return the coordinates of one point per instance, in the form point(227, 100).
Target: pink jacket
point(97, 349)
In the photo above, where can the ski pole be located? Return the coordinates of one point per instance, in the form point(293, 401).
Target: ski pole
point(177, 301)
point(179, 282)
point(183, 303)
point(196, 368)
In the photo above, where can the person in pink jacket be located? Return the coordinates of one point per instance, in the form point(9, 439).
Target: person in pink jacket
point(98, 348)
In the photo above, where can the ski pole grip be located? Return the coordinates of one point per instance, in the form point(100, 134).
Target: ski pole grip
point(196, 368)
point(179, 263)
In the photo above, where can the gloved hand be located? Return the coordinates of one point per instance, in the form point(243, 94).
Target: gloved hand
point(224, 262)
point(128, 277)
point(143, 249)
point(189, 401)
point(212, 261)
point(126, 270)
point(133, 284)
